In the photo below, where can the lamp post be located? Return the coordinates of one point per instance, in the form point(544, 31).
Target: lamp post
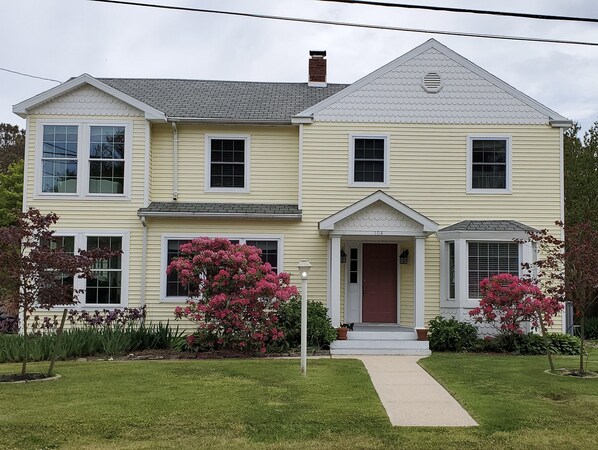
point(304, 267)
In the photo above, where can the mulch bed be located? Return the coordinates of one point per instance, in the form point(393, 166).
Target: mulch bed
point(216, 354)
point(11, 378)
point(574, 373)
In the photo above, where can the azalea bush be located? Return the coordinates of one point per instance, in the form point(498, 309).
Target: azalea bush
point(234, 296)
point(451, 335)
point(511, 301)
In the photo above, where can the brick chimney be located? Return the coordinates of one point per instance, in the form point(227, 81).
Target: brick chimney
point(317, 68)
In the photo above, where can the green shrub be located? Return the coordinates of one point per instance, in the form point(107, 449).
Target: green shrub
point(320, 331)
point(591, 328)
point(450, 335)
point(90, 341)
point(530, 344)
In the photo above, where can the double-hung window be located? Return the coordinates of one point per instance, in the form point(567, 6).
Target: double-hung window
point(84, 159)
point(368, 160)
point(487, 259)
point(106, 286)
point(173, 290)
point(227, 163)
point(489, 165)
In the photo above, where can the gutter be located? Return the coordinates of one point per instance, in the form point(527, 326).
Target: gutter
point(175, 162)
point(143, 260)
point(563, 123)
point(231, 121)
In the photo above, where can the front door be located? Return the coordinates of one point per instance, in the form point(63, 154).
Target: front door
point(379, 283)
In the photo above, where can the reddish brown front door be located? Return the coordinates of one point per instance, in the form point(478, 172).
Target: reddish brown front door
point(379, 283)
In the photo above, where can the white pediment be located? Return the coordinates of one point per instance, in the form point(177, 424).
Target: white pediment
point(379, 217)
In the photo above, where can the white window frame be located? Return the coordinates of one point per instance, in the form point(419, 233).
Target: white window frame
point(81, 283)
point(386, 138)
point(83, 159)
point(208, 162)
point(241, 238)
point(509, 163)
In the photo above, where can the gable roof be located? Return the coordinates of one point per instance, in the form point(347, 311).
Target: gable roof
point(23, 108)
point(466, 104)
point(429, 226)
point(240, 101)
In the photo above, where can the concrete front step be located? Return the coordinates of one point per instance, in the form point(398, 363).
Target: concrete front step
point(382, 335)
point(380, 347)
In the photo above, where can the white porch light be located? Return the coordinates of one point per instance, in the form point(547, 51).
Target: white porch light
point(304, 267)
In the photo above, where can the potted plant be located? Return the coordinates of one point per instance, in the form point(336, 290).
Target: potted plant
point(422, 334)
point(341, 331)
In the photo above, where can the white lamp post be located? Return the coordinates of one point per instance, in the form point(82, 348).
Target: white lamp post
point(304, 267)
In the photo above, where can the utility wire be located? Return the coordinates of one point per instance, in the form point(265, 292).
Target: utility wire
point(468, 11)
point(30, 76)
point(348, 24)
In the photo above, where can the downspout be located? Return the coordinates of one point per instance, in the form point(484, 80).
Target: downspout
point(175, 162)
point(300, 188)
point(143, 262)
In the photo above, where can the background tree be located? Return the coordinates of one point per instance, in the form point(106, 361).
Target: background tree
point(29, 261)
point(568, 271)
point(11, 193)
point(581, 175)
point(12, 145)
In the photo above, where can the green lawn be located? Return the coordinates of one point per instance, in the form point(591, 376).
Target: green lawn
point(267, 404)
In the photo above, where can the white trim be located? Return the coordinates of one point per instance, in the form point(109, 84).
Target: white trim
point(432, 43)
point(81, 236)
point(509, 163)
point(300, 190)
point(146, 175)
point(22, 108)
point(83, 159)
point(328, 224)
point(351, 174)
point(165, 237)
point(419, 284)
point(208, 161)
point(26, 164)
point(335, 280)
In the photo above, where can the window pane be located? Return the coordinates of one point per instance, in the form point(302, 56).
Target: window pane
point(269, 252)
point(174, 288)
point(106, 177)
point(490, 258)
point(451, 280)
point(368, 164)
point(489, 164)
point(227, 163)
point(105, 287)
point(106, 152)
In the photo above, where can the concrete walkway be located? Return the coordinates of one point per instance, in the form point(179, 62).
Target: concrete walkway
point(410, 396)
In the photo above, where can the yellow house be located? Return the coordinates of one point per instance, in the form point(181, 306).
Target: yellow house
point(403, 189)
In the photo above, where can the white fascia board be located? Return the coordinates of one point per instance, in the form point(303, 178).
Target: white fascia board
point(22, 109)
point(428, 225)
point(551, 116)
point(301, 120)
point(561, 123)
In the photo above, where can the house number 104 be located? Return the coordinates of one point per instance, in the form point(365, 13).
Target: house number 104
point(378, 233)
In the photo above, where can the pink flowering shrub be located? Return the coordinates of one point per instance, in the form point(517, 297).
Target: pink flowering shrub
point(512, 300)
point(233, 296)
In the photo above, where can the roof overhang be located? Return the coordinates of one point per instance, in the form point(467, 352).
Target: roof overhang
point(23, 108)
point(561, 123)
point(203, 215)
point(329, 224)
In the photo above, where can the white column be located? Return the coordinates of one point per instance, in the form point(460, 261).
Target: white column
point(420, 281)
point(461, 277)
point(335, 280)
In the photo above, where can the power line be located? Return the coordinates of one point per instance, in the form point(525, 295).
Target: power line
point(30, 76)
point(468, 11)
point(349, 24)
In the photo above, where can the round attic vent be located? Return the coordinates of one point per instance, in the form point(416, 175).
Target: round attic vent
point(431, 82)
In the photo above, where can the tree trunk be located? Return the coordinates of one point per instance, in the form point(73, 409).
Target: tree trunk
point(547, 344)
point(25, 344)
point(57, 343)
point(582, 322)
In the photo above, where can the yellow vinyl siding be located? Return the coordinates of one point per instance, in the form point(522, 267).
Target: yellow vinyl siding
point(406, 287)
point(428, 173)
point(82, 215)
point(274, 163)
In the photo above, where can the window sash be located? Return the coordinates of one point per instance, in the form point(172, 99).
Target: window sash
point(489, 163)
point(451, 271)
point(487, 259)
point(59, 158)
point(227, 162)
point(107, 284)
point(369, 159)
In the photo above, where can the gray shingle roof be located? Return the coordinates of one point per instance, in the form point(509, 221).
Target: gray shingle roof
point(240, 210)
point(488, 225)
point(224, 100)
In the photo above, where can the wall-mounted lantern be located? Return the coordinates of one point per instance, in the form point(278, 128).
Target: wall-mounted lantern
point(343, 257)
point(404, 257)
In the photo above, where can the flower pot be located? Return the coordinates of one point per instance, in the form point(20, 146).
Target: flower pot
point(341, 333)
point(422, 334)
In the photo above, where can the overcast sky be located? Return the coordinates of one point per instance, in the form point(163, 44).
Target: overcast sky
point(64, 38)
